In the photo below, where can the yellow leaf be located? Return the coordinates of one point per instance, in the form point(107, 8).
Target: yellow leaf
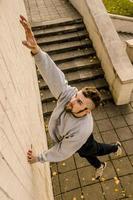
point(102, 179)
point(63, 164)
point(54, 173)
point(74, 198)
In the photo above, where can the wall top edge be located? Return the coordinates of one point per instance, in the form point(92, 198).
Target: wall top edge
point(121, 17)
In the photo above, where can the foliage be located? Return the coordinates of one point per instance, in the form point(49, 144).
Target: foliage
point(120, 7)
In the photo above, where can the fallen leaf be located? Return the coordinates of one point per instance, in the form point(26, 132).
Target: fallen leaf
point(102, 179)
point(116, 180)
point(64, 164)
point(54, 173)
point(74, 198)
point(116, 190)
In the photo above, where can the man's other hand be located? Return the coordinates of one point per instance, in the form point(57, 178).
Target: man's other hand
point(31, 157)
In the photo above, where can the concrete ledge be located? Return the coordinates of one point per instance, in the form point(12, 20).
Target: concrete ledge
point(122, 23)
point(129, 49)
point(114, 59)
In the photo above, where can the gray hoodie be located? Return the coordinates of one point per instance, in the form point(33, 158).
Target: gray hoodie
point(68, 132)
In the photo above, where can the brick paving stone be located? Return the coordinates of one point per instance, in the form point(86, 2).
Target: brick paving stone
point(66, 165)
point(104, 125)
point(80, 162)
point(95, 128)
point(86, 175)
point(123, 166)
point(49, 10)
point(93, 192)
point(131, 159)
point(69, 181)
point(128, 146)
point(97, 137)
point(99, 113)
point(55, 179)
point(109, 136)
point(129, 118)
point(58, 197)
point(131, 127)
point(111, 109)
point(111, 190)
point(124, 109)
point(73, 195)
point(124, 133)
point(118, 121)
point(127, 183)
point(56, 185)
point(109, 172)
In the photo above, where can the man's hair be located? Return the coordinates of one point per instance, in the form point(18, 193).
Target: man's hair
point(93, 94)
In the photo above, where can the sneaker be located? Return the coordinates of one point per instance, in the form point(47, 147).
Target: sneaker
point(99, 171)
point(119, 150)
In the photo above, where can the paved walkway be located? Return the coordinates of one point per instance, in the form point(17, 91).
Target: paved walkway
point(47, 10)
point(73, 179)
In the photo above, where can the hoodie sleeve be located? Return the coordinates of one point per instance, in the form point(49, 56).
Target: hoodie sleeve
point(52, 75)
point(62, 150)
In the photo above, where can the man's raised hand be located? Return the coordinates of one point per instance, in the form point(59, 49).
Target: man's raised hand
point(30, 41)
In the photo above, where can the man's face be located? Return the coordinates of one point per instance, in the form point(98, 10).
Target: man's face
point(78, 105)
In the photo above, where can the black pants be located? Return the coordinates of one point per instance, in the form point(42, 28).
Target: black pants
point(91, 149)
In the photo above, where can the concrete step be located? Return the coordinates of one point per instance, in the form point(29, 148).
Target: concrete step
point(66, 46)
point(76, 64)
point(78, 76)
point(58, 30)
point(71, 55)
point(49, 106)
point(55, 23)
point(62, 38)
point(74, 77)
point(79, 63)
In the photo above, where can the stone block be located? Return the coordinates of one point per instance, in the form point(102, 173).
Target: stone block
point(129, 118)
point(109, 136)
point(123, 166)
point(124, 133)
point(104, 125)
point(73, 195)
point(80, 162)
point(66, 165)
point(86, 175)
point(94, 192)
point(118, 121)
point(127, 184)
point(69, 181)
point(128, 146)
point(111, 190)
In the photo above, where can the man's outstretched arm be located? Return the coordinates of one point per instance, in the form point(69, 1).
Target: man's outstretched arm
point(52, 75)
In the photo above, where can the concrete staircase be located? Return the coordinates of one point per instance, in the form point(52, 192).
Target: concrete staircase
point(68, 44)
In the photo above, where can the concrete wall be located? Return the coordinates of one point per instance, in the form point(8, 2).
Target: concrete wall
point(114, 59)
point(122, 23)
point(21, 122)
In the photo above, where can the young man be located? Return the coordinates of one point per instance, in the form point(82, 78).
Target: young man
point(71, 122)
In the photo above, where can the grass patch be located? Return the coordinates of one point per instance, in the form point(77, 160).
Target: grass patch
point(119, 7)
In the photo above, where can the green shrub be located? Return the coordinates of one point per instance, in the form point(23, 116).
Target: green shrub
point(119, 7)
